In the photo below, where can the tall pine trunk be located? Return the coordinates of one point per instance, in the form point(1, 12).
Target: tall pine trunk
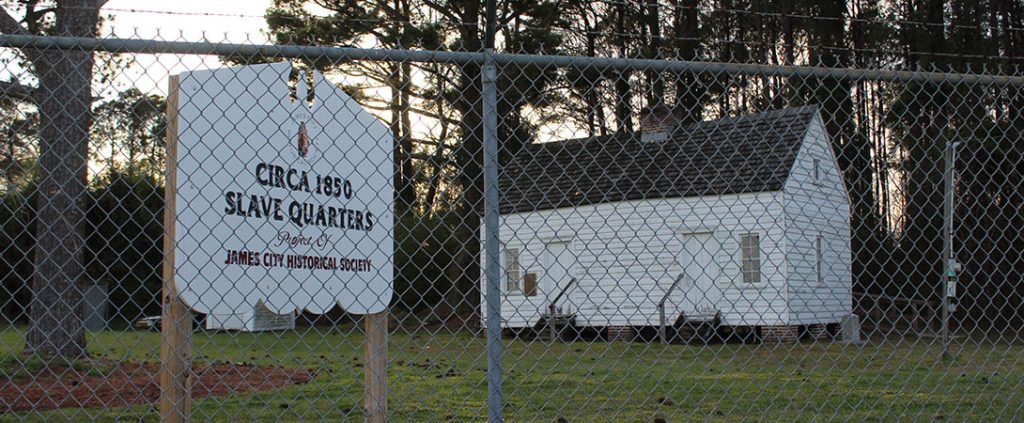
point(469, 157)
point(55, 315)
point(623, 91)
point(927, 112)
point(689, 92)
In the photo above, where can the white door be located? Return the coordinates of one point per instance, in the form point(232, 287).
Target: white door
point(558, 262)
point(701, 295)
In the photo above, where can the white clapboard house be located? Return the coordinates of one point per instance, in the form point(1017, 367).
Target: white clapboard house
point(749, 214)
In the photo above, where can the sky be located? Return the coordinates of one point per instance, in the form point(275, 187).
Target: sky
point(193, 18)
point(238, 21)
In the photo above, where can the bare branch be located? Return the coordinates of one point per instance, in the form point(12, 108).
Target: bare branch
point(437, 144)
point(414, 110)
point(17, 91)
point(444, 11)
point(419, 156)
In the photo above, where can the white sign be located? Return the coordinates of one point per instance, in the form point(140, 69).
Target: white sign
point(280, 199)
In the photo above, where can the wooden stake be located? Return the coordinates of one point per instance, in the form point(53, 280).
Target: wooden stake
point(375, 400)
point(176, 323)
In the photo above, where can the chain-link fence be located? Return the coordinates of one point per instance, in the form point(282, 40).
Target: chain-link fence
point(569, 238)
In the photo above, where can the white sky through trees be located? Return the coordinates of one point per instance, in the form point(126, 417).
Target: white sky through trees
point(232, 21)
point(238, 21)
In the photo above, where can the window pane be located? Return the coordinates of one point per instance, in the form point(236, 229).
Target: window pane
point(751, 260)
point(817, 246)
point(512, 269)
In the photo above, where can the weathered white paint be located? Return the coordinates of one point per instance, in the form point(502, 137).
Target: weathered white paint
point(627, 254)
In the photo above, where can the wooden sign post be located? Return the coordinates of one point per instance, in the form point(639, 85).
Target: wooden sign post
point(277, 201)
point(176, 319)
point(375, 372)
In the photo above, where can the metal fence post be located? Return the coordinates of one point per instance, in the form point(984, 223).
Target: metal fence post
point(947, 228)
point(492, 269)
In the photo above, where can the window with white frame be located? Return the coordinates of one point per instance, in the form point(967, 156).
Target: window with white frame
point(512, 270)
point(750, 246)
point(816, 173)
point(819, 263)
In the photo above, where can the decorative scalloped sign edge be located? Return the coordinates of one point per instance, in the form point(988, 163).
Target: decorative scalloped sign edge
point(280, 197)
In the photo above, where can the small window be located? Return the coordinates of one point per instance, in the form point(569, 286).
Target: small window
point(530, 284)
point(819, 263)
point(750, 244)
point(512, 270)
point(817, 170)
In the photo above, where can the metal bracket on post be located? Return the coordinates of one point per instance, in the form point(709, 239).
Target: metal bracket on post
point(553, 309)
point(948, 271)
point(492, 270)
point(661, 310)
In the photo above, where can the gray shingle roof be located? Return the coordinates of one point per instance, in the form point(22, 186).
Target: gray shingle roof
point(751, 153)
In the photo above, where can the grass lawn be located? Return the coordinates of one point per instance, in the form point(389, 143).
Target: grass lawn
point(441, 377)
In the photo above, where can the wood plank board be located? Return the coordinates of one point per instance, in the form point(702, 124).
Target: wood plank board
point(176, 326)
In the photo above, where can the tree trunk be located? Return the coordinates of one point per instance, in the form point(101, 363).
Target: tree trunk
point(405, 193)
point(55, 319)
point(653, 23)
point(401, 80)
point(469, 156)
point(852, 147)
point(623, 95)
point(437, 164)
point(927, 113)
point(689, 92)
point(596, 122)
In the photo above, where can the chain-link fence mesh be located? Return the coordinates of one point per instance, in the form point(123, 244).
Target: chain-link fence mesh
point(718, 229)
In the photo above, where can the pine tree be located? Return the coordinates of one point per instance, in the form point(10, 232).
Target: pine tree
point(63, 99)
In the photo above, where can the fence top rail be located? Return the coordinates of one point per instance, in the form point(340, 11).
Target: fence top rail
point(122, 45)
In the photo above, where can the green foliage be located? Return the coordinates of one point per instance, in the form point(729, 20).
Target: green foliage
point(425, 250)
point(18, 130)
point(125, 241)
point(124, 244)
point(128, 133)
point(17, 235)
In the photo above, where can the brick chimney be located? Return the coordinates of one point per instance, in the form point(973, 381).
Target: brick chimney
point(657, 121)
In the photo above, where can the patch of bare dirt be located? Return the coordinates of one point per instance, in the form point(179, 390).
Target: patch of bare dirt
point(112, 384)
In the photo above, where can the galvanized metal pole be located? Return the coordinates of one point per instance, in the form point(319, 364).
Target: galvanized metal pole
point(493, 269)
point(947, 250)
